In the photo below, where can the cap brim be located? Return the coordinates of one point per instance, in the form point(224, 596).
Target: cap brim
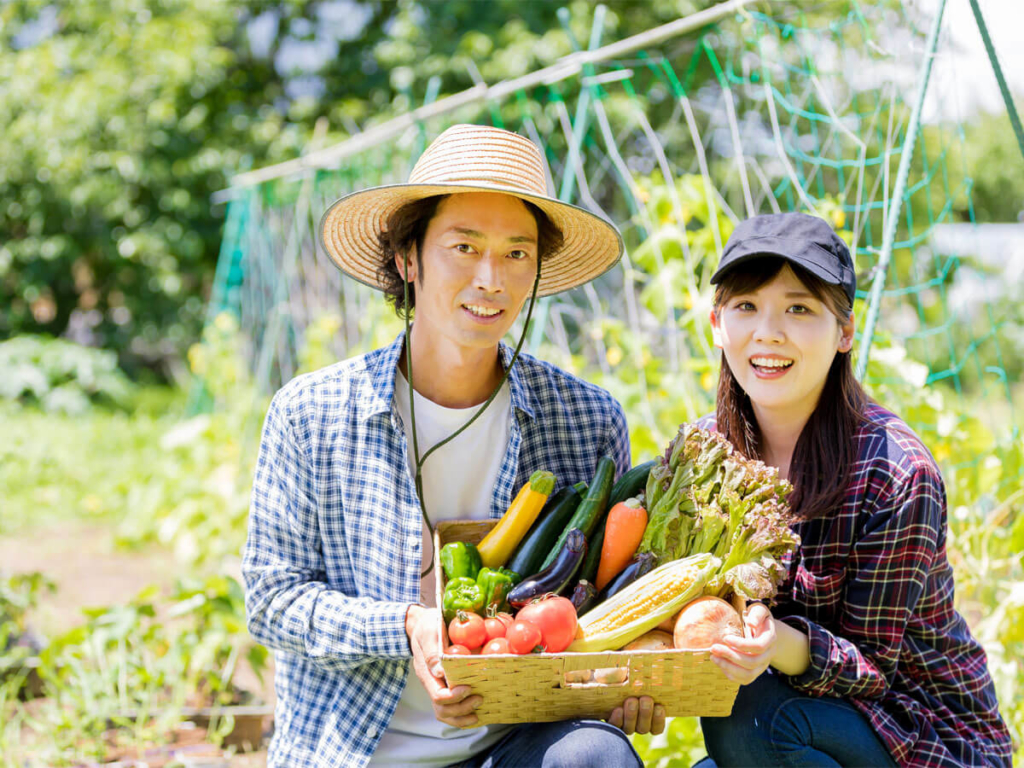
point(349, 231)
point(815, 260)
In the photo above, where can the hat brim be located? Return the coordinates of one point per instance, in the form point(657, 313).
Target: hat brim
point(817, 260)
point(349, 233)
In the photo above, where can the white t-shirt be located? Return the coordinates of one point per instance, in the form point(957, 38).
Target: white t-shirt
point(458, 484)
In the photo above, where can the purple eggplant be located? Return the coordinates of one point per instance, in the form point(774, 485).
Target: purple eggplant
point(556, 576)
point(640, 565)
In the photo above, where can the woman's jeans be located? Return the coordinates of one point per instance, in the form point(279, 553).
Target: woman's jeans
point(565, 744)
point(773, 724)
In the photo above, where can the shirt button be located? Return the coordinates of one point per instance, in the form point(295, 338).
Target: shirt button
point(412, 542)
point(371, 732)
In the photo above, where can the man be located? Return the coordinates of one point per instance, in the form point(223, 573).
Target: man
point(338, 556)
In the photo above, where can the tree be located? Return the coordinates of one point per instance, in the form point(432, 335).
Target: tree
point(122, 117)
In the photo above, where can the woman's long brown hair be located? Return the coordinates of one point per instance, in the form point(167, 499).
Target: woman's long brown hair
point(825, 453)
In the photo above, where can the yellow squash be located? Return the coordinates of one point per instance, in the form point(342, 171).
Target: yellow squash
point(498, 545)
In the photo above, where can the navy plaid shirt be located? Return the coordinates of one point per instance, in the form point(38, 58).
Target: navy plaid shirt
point(332, 559)
point(873, 590)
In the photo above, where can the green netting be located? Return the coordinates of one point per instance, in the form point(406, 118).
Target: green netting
point(675, 144)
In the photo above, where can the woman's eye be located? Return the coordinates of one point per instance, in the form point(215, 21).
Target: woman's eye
point(799, 309)
point(744, 306)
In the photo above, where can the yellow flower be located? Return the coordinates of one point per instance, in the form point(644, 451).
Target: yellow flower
point(707, 380)
point(838, 218)
point(614, 356)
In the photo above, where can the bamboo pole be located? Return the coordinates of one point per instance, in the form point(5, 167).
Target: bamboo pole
point(564, 68)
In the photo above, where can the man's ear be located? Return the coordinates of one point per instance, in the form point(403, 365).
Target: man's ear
point(716, 331)
point(846, 333)
point(400, 259)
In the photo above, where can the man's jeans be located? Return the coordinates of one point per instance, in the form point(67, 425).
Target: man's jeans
point(565, 744)
point(773, 724)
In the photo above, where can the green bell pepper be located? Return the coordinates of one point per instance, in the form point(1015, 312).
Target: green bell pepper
point(461, 594)
point(460, 559)
point(495, 584)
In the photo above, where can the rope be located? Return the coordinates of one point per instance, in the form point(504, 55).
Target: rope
point(412, 399)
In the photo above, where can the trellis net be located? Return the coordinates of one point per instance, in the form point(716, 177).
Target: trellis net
point(675, 144)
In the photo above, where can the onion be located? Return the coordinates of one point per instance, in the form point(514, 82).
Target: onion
point(655, 640)
point(704, 622)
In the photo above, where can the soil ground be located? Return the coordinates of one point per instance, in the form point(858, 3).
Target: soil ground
point(90, 571)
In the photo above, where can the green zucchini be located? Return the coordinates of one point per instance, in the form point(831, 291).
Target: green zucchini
point(591, 510)
point(632, 482)
point(534, 547)
point(588, 570)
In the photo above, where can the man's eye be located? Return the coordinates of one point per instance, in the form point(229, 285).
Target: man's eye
point(463, 248)
point(518, 254)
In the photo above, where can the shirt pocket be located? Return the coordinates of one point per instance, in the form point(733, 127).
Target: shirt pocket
point(820, 592)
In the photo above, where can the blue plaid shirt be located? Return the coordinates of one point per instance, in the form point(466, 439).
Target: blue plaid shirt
point(332, 560)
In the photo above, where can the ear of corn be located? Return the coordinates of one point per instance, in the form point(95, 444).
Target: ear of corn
point(644, 604)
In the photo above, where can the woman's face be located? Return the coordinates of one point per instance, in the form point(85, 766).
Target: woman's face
point(780, 342)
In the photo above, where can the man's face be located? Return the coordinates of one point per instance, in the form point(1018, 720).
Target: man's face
point(478, 265)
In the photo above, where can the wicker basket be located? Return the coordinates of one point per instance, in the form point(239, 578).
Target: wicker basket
point(533, 688)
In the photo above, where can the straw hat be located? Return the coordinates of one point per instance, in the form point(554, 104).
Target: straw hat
point(472, 158)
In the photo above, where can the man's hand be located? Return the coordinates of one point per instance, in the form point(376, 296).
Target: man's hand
point(639, 716)
point(452, 706)
point(743, 659)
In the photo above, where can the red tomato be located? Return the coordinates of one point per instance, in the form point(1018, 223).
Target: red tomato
point(495, 628)
point(523, 637)
point(504, 618)
point(458, 650)
point(555, 617)
point(497, 645)
point(467, 629)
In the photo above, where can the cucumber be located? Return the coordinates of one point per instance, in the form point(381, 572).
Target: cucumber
point(591, 510)
point(589, 568)
point(631, 483)
point(534, 547)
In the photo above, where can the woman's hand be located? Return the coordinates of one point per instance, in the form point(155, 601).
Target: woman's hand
point(639, 716)
point(743, 659)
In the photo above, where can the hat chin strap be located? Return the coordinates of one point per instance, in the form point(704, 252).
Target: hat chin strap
point(412, 400)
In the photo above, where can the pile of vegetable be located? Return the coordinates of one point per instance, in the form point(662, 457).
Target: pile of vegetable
point(704, 497)
point(639, 563)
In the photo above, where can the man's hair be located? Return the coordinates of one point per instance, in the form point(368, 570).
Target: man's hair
point(407, 226)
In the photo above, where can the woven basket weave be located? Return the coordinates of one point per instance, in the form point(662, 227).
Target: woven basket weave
point(533, 689)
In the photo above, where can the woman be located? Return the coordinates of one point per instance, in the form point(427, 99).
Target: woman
point(864, 661)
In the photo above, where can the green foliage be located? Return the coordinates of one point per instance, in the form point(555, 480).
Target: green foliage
point(106, 226)
point(19, 594)
point(990, 150)
point(60, 376)
point(135, 666)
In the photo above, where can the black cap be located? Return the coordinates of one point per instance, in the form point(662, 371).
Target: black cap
point(797, 237)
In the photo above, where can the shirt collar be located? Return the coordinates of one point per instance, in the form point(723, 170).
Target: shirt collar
point(381, 365)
